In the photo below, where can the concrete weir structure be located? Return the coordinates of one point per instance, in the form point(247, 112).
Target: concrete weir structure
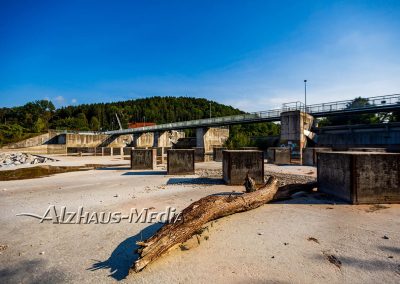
point(143, 159)
point(180, 161)
point(360, 177)
point(217, 153)
point(278, 155)
point(237, 163)
point(310, 155)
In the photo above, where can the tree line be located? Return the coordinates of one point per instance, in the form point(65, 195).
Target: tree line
point(25, 121)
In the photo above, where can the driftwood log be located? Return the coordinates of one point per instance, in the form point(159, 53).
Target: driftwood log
point(207, 209)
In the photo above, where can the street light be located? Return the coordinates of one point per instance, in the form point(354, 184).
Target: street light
point(305, 95)
point(210, 110)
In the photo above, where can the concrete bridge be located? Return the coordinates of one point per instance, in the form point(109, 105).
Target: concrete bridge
point(296, 123)
point(376, 104)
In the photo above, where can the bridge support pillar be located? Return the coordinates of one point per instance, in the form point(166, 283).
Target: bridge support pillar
point(166, 138)
point(143, 140)
point(295, 125)
point(211, 137)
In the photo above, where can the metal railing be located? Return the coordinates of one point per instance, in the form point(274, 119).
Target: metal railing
point(374, 104)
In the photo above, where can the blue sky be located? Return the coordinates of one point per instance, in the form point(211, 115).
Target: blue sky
point(253, 55)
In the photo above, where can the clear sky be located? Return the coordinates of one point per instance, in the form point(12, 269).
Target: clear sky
point(253, 55)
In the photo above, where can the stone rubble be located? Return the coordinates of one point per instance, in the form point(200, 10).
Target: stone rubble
point(8, 160)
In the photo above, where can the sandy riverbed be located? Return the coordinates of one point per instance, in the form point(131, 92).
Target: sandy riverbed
point(284, 242)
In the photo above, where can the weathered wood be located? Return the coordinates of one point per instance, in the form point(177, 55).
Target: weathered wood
point(205, 210)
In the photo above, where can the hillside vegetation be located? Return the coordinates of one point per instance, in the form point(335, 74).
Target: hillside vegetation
point(18, 123)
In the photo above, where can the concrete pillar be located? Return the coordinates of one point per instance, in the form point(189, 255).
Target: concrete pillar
point(143, 140)
point(180, 161)
point(279, 155)
point(237, 163)
point(143, 159)
point(294, 127)
point(360, 177)
point(208, 138)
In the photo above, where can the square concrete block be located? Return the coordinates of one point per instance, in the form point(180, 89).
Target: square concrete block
point(237, 163)
point(143, 159)
point(217, 153)
point(360, 178)
point(180, 161)
point(310, 155)
point(199, 154)
point(278, 155)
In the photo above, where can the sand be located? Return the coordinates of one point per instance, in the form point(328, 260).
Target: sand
point(284, 242)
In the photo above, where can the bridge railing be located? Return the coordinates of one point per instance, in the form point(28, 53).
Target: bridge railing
point(373, 102)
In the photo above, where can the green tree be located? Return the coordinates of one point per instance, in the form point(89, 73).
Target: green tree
point(81, 122)
point(39, 125)
point(94, 124)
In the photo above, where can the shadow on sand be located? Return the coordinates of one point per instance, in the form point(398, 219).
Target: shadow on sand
point(124, 255)
point(200, 180)
point(146, 173)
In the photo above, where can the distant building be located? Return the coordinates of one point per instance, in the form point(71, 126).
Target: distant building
point(140, 124)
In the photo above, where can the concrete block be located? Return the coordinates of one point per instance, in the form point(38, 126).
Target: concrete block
point(180, 162)
point(106, 151)
point(143, 159)
point(382, 150)
point(199, 153)
point(116, 151)
point(310, 155)
point(249, 148)
point(360, 178)
point(217, 153)
point(99, 151)
point(278, 155)
point(237, 163)
point(127, 150)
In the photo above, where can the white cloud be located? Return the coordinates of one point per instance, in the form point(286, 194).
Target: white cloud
point(59, 100)
point(74, 101)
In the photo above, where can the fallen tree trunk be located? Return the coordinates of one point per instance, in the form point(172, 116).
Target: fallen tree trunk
point(203, 211)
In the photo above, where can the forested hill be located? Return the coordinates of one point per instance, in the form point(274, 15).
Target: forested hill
point(35, 117)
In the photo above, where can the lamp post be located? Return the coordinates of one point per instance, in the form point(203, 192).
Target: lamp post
point(305, 95)
point(210, 110)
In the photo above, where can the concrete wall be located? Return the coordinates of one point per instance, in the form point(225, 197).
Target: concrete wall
point(237, 163)
point(167, 138)
point(360, 178)
point(217, 153)
point(384, 135)
point(293, 127)
point(208, 138)
point(310, 155)
point(180, 161)
point(278, 155)
point(143, 140)
point(89, 140)
point(32, 142)
point(143, 159)
point(199, 154)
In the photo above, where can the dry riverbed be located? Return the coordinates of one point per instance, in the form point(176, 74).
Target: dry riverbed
point(308, 239)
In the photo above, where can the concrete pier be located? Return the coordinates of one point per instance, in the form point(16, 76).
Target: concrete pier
point(217, 153)
point(278, 155)
point(310, 155)
point(211, 137)
point(199, 154)
point(180, 161)
point(143, 159)
point(294, 127)
point(237, 163)
point(360, 177)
